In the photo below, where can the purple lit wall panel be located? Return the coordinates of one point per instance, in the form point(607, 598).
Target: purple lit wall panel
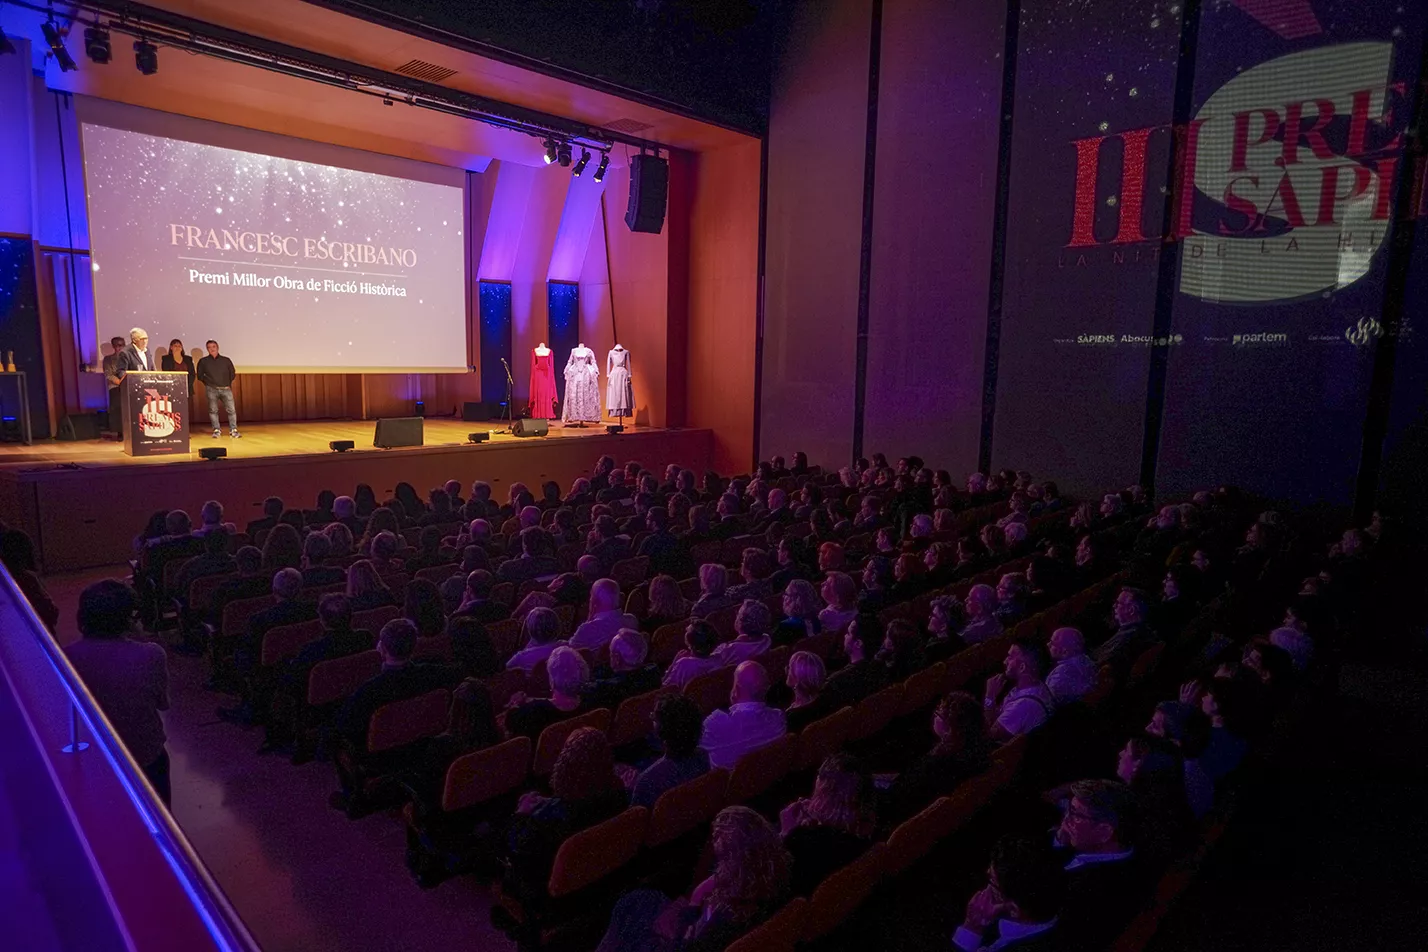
point(939, 92)
point(511, 191)
point(817, 139)
point(15, 104)
point(582, 208)
point(1069, 407)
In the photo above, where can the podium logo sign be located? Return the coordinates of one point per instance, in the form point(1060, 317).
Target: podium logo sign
point(158, 419)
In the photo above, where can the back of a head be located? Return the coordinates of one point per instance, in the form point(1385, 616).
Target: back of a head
point(106, 609)
point(542, 626)
point(398, 639)
point(629, 648)
point(177, 522)
point(751, 681)
point(384, 545)
point(679, 725)
point(588, 567)
point(249, 559)
point(211, 513)
point(567, 670)
point(604, 595)
point(1034, 654)
point(287, 583)
point(712, 578)
point(1030, 875)
point(755, 563)
point(753, 619)
point(272, 507)
point(344, 507)
point(843, 794)
point(282, 548)
point(335, 611)
point(701, 637)
point(807, 671)
point(316, 548)
point(751, 866)
point(479, 584)
point(844, 589)
point(585, 767)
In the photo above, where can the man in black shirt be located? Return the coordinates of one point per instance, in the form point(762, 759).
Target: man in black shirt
point(217, 373)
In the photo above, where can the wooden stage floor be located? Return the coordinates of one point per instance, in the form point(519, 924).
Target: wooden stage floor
point(84, 502)
point(265, 440)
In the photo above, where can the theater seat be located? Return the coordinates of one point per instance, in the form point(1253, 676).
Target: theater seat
point(821, 738)
point(486, 774)
point(759, 770)
point(917, 836)
point(552, 739)
point(285, 641)
point(780, 933)
point(592, 854)
point(406, 722)
point(632, 717)
point(686, 807)
point(711, 691)
point(339, 678)
point(843, 892)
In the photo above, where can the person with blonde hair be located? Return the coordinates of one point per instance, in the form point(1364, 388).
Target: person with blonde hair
point(713, 580)
point(827, 831)
point(666, 604)
point(806, 677)
point(749, 883)
point(365, 588)
point(801, 606)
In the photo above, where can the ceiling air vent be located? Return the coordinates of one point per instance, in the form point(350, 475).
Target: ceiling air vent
point(627, 126)
point(427, 72)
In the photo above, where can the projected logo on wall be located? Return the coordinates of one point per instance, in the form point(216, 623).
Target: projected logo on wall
point(1283, 180)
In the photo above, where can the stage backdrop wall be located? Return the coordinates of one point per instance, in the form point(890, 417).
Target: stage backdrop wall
point(1232, 340)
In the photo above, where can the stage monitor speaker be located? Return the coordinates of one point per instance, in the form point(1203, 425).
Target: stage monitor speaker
point(525, 427)
point(398, 431)
point(79, 426)
point(212, 453)
point(480, 436)
point(341, 446)
point(649, 188)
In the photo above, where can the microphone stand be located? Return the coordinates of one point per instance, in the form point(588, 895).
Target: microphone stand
point(510, 395)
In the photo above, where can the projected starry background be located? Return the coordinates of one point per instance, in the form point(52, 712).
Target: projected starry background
point(139, 186)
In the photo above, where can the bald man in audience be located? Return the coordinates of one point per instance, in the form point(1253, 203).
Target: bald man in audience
point(1074, 674)
point(606, 619)
point(626, 675)
point(748, 724)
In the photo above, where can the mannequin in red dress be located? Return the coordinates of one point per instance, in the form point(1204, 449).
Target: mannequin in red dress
point(543, 393)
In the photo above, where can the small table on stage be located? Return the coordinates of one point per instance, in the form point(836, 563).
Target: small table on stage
point(23, 391)
point(155, 409)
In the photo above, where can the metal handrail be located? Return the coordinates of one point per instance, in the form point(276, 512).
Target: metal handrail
point(211, 903)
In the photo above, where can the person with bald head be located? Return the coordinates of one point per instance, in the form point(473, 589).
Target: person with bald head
point(748, 724)
point(606, 620)
point(1074, 673)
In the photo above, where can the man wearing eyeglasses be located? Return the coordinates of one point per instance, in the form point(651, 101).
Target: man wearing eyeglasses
point(136, 355)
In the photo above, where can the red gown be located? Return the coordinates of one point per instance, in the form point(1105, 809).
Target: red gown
point(543, 394)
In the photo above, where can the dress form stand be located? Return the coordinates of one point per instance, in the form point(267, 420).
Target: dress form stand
point(582, 388)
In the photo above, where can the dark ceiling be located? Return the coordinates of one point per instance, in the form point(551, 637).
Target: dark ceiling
point(707, 58)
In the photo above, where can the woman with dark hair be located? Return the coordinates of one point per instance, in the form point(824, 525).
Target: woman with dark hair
point(909, 578)
point(412, 506)
point(472, 727)
point(902, 650)
point(155, 528)
point(365, 588)
point(365, 499)
point(666, 604)
point(563, 529)
point(749, 883)
point(282, 549)
point(423, 608)
point(429, 552)
point(940, 561)
point(550, 495)
point(827, 831)
point(175, 360)
point(877, 582)
point(962, 750)
point(585, 790)
point(17, 553)
point(1155, 771)
point(322, 515)
point(382, 519)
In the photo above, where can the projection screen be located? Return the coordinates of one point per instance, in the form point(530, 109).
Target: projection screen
point(292, 266)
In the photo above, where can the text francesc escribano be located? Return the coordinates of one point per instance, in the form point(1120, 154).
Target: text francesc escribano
point(284, 283)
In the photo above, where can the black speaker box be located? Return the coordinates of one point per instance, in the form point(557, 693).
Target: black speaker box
point(79, 426)
point(398, 431)
point(527, 427)
point(649, 188)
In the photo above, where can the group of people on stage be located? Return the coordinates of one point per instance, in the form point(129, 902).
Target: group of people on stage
point(215, 371)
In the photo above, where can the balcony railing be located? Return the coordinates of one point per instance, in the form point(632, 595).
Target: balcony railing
point(83, 836)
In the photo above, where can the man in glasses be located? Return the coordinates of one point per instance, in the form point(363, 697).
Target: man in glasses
point(1107, 881)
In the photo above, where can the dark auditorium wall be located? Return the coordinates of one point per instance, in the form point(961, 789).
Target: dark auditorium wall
point(1231, 331)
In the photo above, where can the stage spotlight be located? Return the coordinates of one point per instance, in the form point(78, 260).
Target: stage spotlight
point(551, 153)
point(146, 57)
point(565, 155)
point(56, 44)
point(96, 44)
point(340, 446)
point(580, 166)
point(477, 437)
point(604, 164)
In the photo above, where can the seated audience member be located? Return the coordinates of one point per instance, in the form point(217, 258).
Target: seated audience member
point(751, 629)
point(863, 674)
point(128, 678)
point(1018, 539)
point(568, 674)
point(211, 520)
point(1133, 636)
point(626, 675)
point(909, 578)
point(339, 639)
point(383, 553)
point(945, 615)
point(476, 602)
point(792, 556)
point(290, 609)
point(1027, 703)
point(713, 582)
point(540, 635)
point(754, 569)
point(472, 727)
point(748, 724)
point(697, 657)
point(315, 572)
point(250, 582)
point(994, 541)
point(962, 751)
point(1225, 702)
point(901, 650)
point(214, 560)
point(1093, 560)
point(1012, 593)
point(585, 790)
point(1107, 883)
point(272, 509)
point(472, 649)
point(749, 883)
point(827, 831)
point(422, 606)
point(366, 589)
point(1179, 600)
point(831, 557)
point(606, 544)
point(1046, 580)
point(1017, 911)
point(1074, 674)
point(1154, 770)
point(800, 613)
point(282, 549)
point(605, 617)
point(1274, 668)
point(537, 558)
point(666, 604)
point(841, 593)
point(678, 725)
point(877, 583)
point(344, 513)
point(339, 537)
point(805, 678)
point(400, 678)
point(1295, 643)
point(665, 550)
point(429, 553)
point(982, 623)
point(1187, 728)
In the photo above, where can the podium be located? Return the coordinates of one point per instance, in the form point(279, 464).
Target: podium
point(155, 408)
